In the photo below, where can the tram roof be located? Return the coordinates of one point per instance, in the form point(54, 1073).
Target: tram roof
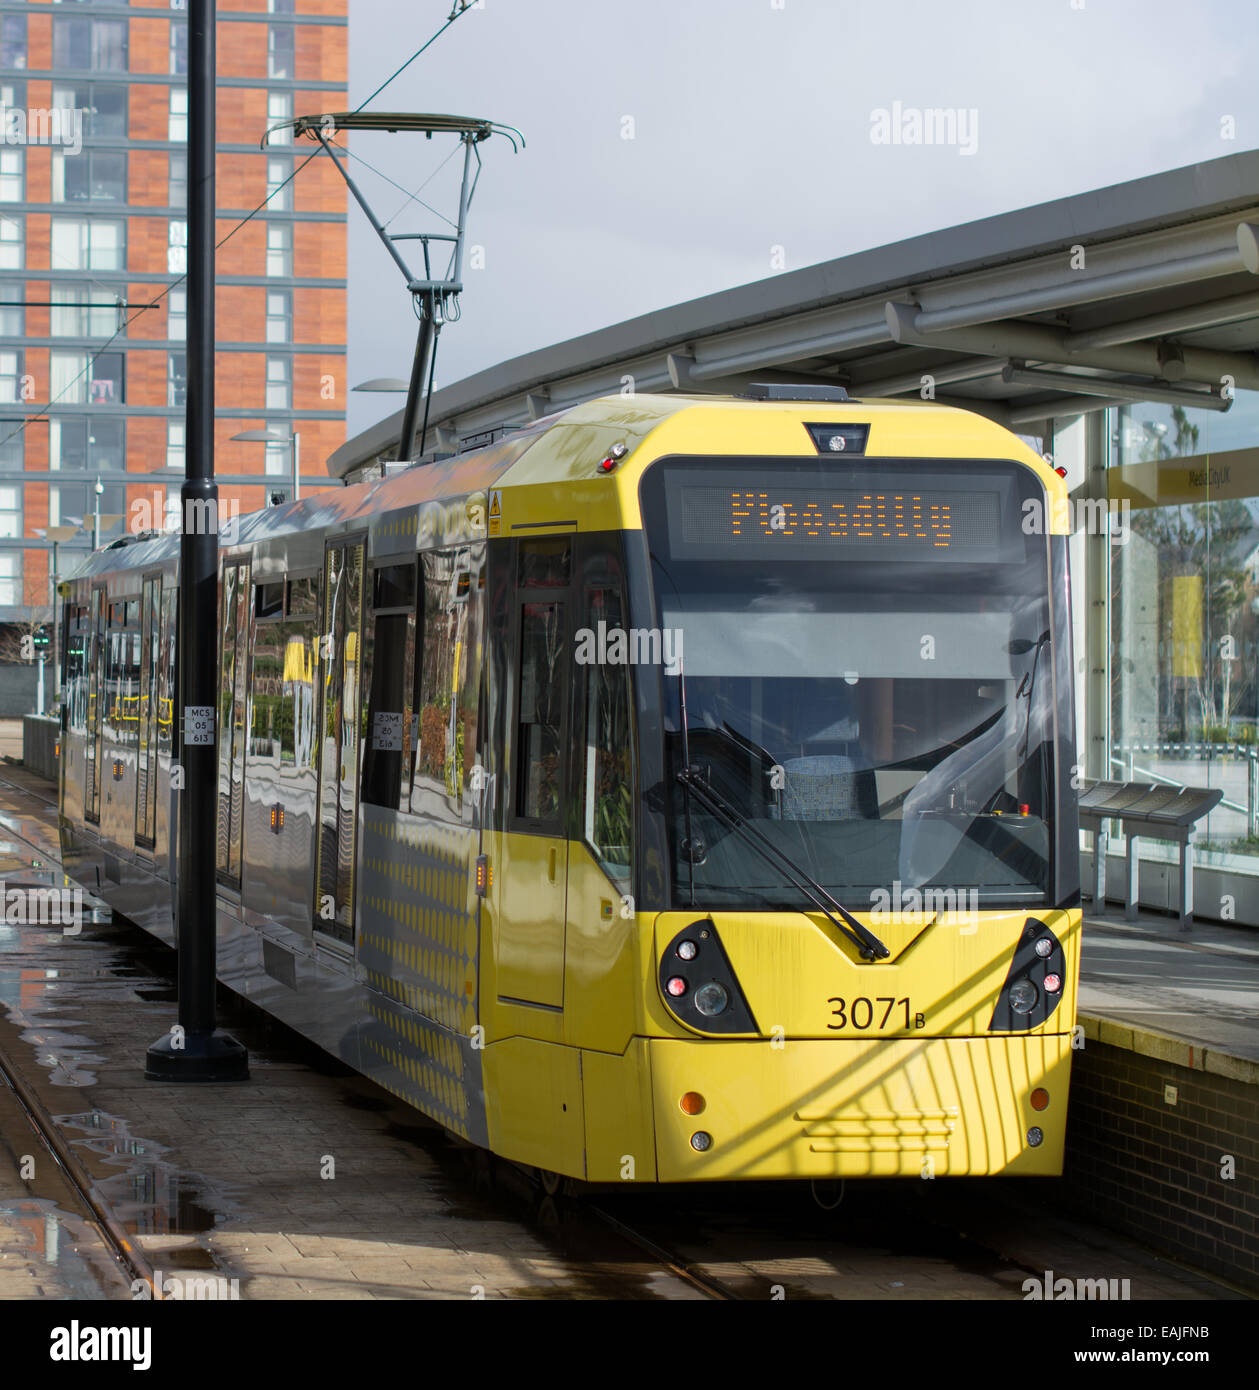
point(585, 430)
point(1165, 304)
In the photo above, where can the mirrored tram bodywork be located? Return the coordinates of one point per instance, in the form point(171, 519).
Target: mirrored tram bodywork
point(697, 809)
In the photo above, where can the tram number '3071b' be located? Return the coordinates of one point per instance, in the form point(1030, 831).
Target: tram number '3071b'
point(861, 1013)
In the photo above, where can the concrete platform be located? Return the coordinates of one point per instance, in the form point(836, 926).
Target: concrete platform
point(1200, 987)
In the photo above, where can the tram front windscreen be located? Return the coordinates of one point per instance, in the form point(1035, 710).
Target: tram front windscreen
point(857, 667)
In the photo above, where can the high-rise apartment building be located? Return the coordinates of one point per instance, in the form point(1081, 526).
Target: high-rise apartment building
point(93, 245)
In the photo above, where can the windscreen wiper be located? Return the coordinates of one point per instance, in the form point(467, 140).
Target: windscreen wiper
point(869, 945)
point(1028, 684)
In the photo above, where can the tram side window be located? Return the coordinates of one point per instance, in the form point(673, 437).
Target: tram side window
point(166, 670)
point(268, 714)
point(74, 675)
point(539, 768)
point(389, 662)
point(444, 715)
point(283, 715)
point(299, 643)
point(609, 775)
point(122, 672)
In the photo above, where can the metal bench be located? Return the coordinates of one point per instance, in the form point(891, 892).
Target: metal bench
point(1144, 808)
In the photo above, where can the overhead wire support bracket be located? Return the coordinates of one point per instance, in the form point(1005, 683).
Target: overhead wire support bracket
point(435, 299)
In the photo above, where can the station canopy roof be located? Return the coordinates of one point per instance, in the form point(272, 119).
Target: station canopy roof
point(1145, 291)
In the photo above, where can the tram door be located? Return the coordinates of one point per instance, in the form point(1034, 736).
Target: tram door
point(96, 658)
point(339, 732)
point(146, 757)
point(532, 855)
point(233, 686)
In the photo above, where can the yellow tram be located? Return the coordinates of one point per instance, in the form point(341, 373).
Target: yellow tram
point(676, 789)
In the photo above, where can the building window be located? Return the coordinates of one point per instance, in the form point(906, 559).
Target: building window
point(279, 248)
point(12, 447)
point(12, 319)
point(77, 503)
point(279, 387)
point(80, 244)
point(177, 248)
point(175, 456)
point(176, 377)
point(10, 512)
point(177, 195)
point(279, 189)
point(13, 93)
point(105, 444)
point(279, 110)
point(81, 378)
point(67, 443)
point(12, 183)
point(281, 6)
point(106, 379)
point(11, 243)
point(177, 125)
point(277, 457)
point(12, 41)
point(10, 577)
point(79, 443)
point(280, 50)
point(96, 176)
point(85, 311)
point(97, 44)
point(177, 315)
point(279, 316)
point(103, 104)
point(10, 376)
point(179, 48)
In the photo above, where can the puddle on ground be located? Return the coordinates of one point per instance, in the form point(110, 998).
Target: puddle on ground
point(148, 1194)
point(41, 1233)
point(43, 1007)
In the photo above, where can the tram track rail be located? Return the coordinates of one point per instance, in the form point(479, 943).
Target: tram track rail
point(677, 1265)
point(96, 1207)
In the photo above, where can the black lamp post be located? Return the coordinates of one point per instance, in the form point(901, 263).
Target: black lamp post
point(194, 1050)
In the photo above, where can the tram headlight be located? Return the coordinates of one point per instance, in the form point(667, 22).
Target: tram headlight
point(1045, 946)
point(712, 999)
point(698, 983)
point(1023, 996)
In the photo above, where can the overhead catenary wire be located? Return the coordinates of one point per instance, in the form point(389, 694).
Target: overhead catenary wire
point(461, 7)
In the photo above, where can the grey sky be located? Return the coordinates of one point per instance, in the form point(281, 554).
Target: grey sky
point(752, 130)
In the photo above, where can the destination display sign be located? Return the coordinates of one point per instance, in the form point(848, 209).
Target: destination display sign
point(772, 517)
